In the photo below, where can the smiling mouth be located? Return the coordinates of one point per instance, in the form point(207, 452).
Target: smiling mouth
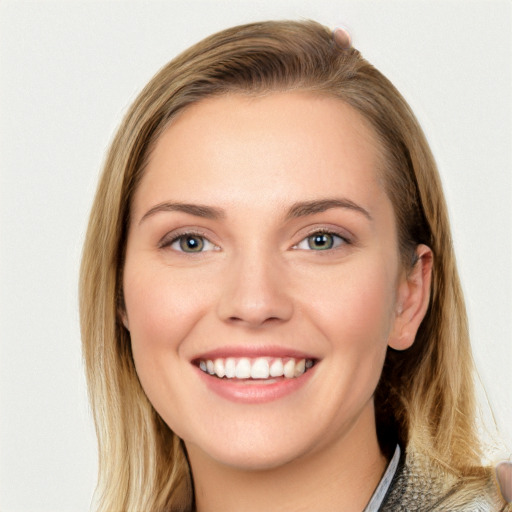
point(244, 368)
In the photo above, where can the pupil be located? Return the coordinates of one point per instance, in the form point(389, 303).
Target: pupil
point(321, 241)
point(192, 243)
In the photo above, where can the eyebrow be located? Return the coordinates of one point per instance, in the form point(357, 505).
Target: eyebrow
point(297, 210)
point(317, 206)
point(198, 210)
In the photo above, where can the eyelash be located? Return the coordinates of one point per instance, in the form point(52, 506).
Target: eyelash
point(342, 240)
point(181, 236)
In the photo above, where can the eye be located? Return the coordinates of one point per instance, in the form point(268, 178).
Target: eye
point(191, 243)
point(321, 241)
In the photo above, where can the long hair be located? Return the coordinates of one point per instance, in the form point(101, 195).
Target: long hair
point(427, 391)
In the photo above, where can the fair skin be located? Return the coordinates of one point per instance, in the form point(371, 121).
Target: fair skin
point(291, 255)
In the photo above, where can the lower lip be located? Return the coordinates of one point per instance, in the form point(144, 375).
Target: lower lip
point(254, 391)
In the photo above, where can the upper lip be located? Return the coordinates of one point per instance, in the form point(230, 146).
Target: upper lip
point(252, 352)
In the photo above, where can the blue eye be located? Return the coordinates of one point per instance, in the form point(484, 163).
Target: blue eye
point(191, 243)
point(321, 241)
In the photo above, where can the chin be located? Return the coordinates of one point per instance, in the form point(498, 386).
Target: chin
point(253, 449)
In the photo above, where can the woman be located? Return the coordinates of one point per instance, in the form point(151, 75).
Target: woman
point(274, 320)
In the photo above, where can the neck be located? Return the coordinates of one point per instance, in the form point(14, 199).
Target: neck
point(341, 476)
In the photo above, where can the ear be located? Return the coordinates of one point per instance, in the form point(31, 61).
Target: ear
point(121, 310)
point(412, 300)
point(124, 318)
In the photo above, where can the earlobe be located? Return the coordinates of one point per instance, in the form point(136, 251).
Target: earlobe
point(412, 300)
point(121, 310)
point(124, 318)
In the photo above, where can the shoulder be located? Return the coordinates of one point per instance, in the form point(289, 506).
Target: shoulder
point(421, 485)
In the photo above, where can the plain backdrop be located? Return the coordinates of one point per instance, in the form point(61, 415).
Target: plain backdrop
point(68, 71)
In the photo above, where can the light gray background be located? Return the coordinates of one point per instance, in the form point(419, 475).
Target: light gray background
point(68, 71)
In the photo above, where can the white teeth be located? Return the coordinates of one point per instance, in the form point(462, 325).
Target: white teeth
point(230, 367)
point(218, 366)
point(289, 369)
point(243, 369)
point(300, 368)
point(258, 368)
point(276, 368)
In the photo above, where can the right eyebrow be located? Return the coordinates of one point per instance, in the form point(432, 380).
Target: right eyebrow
point(198, 210)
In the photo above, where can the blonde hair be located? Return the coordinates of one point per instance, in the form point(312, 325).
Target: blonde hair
point(426, 390)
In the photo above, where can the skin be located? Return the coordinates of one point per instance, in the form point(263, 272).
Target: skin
point(259, 283)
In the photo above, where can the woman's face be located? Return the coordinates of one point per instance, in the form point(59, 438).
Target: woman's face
point(262, 246)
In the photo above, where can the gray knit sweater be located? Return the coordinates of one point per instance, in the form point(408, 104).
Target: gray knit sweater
point(420, 486)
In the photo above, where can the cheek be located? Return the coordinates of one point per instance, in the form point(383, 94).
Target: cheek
point(162, 307)
point(155, 294)
point(350, 310)
point(353, 305)
point(354, 313)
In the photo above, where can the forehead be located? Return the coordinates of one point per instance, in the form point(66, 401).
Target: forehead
point(277, 145)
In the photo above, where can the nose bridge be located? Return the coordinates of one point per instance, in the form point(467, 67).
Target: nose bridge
point(254, 290)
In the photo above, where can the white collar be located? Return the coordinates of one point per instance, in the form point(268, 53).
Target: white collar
point(382, 489)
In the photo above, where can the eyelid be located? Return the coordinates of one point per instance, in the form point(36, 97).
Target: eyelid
point(170, 238)
point(342, 234)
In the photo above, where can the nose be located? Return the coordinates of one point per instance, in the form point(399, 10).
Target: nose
point(255, 293)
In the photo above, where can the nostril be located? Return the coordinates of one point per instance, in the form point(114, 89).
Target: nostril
point(254, 302)
point(272, 319)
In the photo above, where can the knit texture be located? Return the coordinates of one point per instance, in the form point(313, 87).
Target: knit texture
point(420, 485)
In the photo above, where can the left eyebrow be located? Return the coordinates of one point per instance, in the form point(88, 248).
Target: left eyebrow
point(311, 207)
